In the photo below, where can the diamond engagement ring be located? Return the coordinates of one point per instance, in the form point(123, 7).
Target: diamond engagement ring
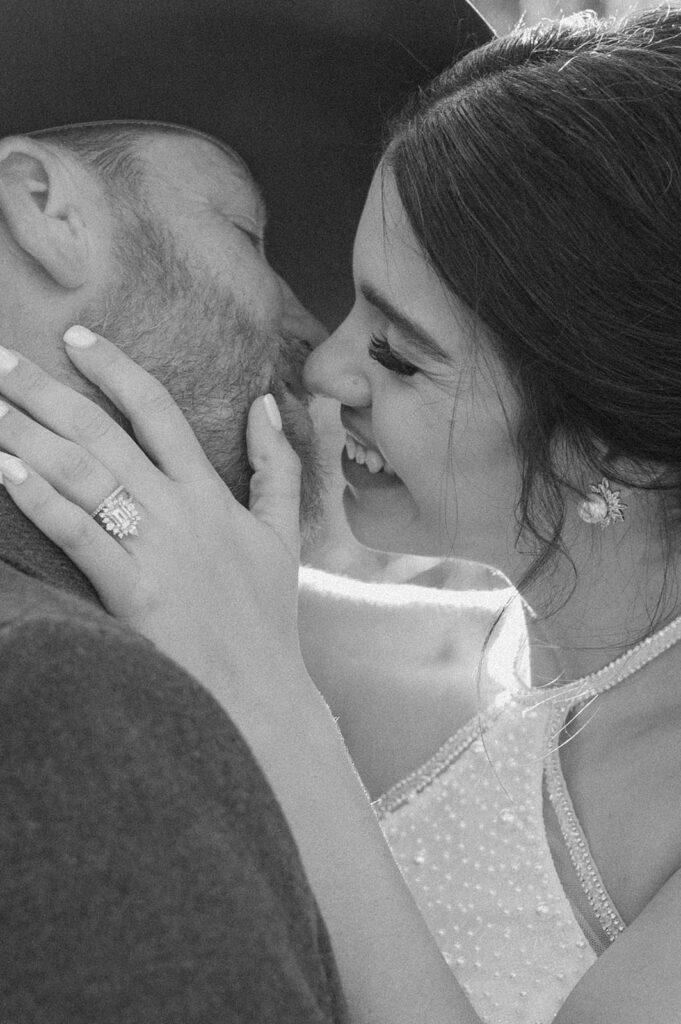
point(118, 514)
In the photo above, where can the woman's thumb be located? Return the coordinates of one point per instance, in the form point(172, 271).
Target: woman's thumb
point(275, 484)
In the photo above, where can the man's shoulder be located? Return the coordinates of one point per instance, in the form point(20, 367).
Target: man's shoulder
point(67, 666)
point(25, 599)
point(45, 630)
point(79, 688)
point(149, 874)
point(82, 696)
point(63, 657)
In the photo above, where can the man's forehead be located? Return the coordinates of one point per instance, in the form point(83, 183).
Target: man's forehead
point(214, 160)
point(155, 129)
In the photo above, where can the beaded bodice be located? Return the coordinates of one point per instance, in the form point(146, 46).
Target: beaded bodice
point(468, 832)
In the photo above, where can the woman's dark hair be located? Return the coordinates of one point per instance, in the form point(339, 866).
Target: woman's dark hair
point(541, 175)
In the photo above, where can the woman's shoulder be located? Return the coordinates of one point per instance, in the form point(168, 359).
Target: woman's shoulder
point(403, 666)
point(637, 978)
point(622, 770)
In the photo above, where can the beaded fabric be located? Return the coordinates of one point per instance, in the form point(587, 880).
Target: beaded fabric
point(467, 831)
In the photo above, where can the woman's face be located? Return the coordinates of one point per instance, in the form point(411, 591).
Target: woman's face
point(429, 463)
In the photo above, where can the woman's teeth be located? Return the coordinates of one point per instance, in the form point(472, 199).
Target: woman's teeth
point(374, 462)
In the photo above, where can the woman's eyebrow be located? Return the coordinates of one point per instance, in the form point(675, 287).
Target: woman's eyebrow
point(417, 337)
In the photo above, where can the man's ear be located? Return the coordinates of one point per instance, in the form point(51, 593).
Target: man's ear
point(40, 208)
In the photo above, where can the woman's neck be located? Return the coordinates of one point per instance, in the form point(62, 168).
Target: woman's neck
point(623, 586)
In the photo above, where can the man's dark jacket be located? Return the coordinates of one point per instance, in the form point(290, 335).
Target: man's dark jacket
point(146, 872)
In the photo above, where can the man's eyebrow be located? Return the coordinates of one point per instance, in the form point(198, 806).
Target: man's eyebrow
point(419, 338)
point(260, 203)
point(248, 179)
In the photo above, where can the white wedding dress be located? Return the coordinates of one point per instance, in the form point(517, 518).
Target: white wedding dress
point(488, 841)
point(484, 832)
point(468, 833)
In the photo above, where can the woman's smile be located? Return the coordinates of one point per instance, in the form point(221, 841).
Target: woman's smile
point(365, 455)
point(362, 461)
point(360, 475)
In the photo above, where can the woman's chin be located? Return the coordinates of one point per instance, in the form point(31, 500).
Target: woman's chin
point(388, 521)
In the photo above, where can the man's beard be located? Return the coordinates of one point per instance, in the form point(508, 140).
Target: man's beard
point(185, 329)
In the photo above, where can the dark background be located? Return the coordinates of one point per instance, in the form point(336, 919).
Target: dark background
point(299, 87)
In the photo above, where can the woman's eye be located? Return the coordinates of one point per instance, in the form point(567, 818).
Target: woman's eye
point(381, 352)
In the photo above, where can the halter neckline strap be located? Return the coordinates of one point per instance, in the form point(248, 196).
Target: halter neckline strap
point(620, 668)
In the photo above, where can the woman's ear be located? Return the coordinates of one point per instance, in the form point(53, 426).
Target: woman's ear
point(39, 203)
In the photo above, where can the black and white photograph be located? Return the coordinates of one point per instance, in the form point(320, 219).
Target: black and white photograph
point(340, 512)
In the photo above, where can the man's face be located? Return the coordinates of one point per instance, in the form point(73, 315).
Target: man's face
point(199, 307)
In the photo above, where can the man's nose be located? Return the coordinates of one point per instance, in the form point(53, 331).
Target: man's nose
point(299, 321)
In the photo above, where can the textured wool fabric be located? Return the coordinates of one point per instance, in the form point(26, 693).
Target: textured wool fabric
point(148, 875)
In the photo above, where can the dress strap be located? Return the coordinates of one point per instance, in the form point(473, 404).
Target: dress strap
point(575, 840)
point(569, 696)
point(627, 664)
point(405, 790)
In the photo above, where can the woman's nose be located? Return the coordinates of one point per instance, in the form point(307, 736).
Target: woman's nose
point(334, 370)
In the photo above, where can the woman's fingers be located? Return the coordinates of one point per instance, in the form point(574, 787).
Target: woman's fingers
point(72, 470)
point(275, 484)
point(102, 559)
point(158, 423)
point(74, 418)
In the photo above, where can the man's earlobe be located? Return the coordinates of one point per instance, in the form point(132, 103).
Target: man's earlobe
point(40, 212)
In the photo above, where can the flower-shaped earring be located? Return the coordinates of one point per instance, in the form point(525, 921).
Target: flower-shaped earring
point(602, 507)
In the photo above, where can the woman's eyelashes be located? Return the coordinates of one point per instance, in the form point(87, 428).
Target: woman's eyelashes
point(381, 352)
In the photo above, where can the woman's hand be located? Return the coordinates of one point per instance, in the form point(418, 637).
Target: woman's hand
point(212, 584)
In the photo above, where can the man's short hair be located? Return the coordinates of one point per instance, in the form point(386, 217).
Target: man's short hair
point(112, 149)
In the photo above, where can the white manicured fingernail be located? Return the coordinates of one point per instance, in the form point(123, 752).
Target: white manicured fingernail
point(272, 410)
point(79, 337)
point(12, 469)
point(7, 360)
